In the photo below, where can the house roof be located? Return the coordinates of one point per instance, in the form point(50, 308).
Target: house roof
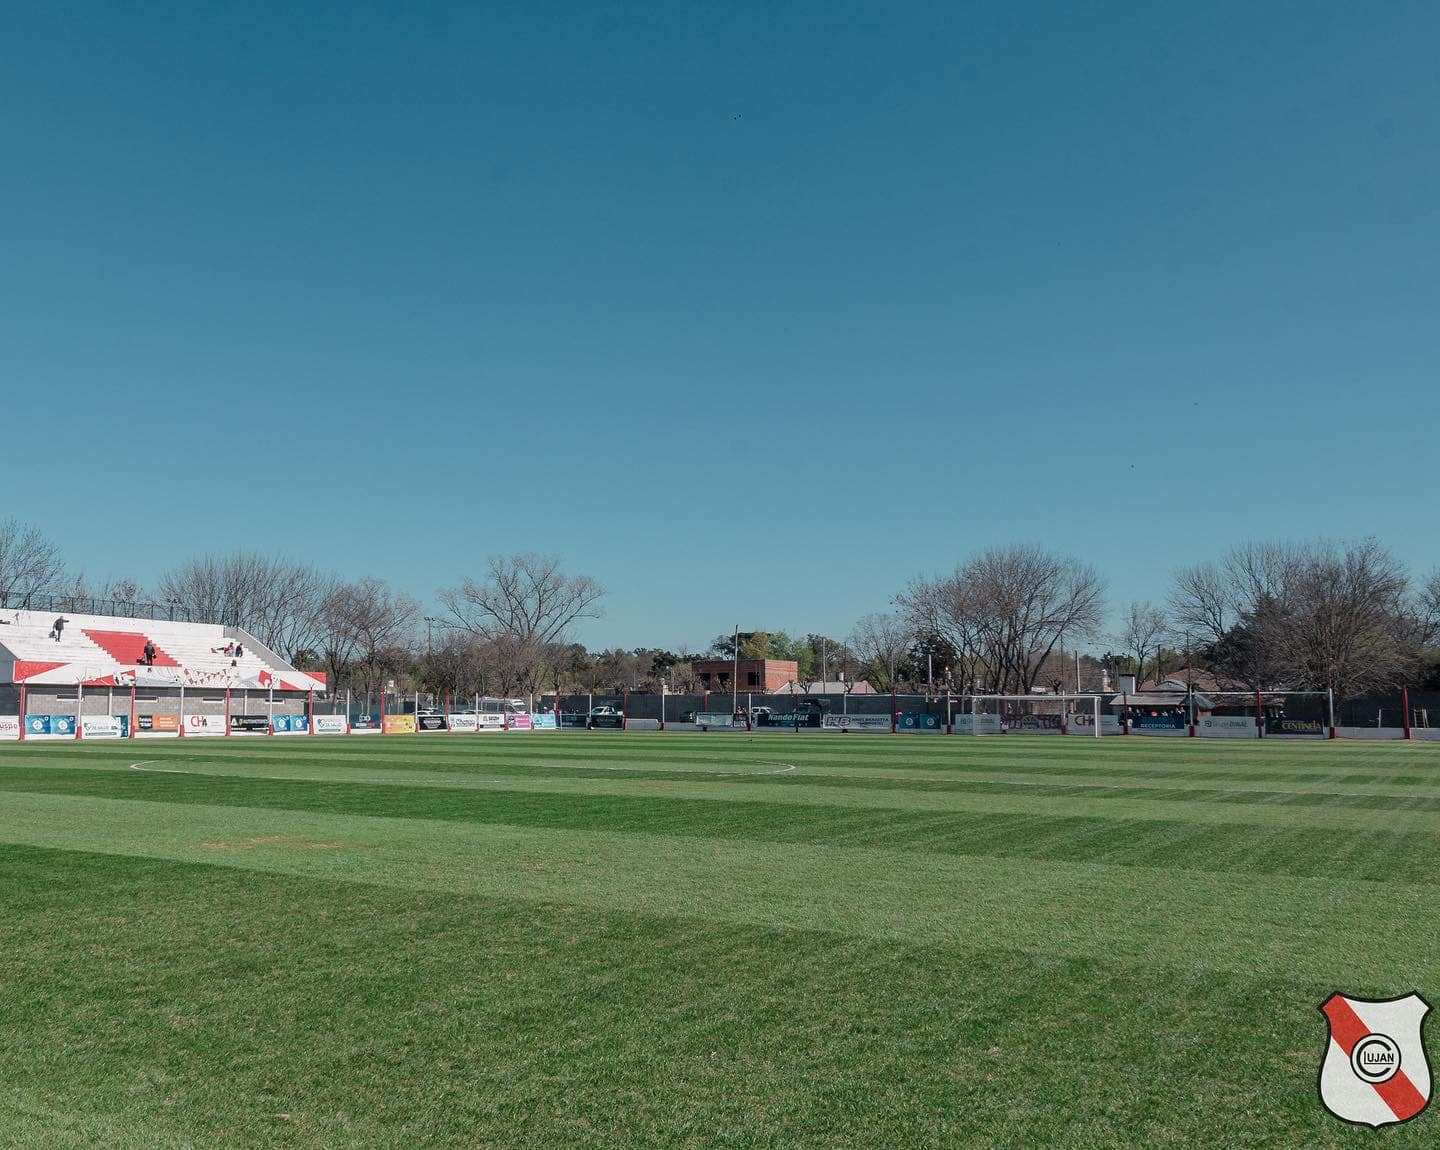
point(1163, 698)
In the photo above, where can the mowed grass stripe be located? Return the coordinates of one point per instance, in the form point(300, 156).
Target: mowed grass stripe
point(724, 773)
point(1140, 759)
point(1272, 923)
point(1305, 850)
point(153, 1003)
point(737, 787)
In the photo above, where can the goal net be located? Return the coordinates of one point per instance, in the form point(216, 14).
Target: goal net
point(1264, 714)
point(1033, 715)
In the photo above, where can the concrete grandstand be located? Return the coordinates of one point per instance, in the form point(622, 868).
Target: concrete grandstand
point(94, 676)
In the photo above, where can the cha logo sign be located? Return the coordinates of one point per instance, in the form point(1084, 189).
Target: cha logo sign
point(1375, 1070)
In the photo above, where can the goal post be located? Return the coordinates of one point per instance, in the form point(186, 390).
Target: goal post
point(1034, 715)
point(1267, 714)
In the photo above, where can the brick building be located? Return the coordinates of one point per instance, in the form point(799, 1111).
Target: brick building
point(759, 675)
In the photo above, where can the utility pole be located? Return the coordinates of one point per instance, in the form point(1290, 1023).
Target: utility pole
point(735, 672)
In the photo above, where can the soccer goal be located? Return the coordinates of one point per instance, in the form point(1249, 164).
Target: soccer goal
point(1033, 715)
point(1265, 714)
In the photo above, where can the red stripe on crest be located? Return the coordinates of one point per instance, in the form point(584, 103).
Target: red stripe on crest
point(1347, 1028)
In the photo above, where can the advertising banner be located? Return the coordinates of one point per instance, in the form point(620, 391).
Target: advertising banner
point(464, 724)
point(1227, 727)
point(104, 726)
point(1303, 728)
point(363, 724)
point(574, 720)
point(706, 719)
point(970, 723)
point(49, 726)
point(611, 722)
point(290, 724)
point(521, 723)
point(166, 723)
point(1157, 721)
point(431, 723)
point(490, 721)
point(855, 723)
point(248, 724)
point(1033, 724)
point(331, 725)
point(9, 726)
point(205, 726)
point(791, 719)
point(1082, 723)
point(542, 722)
point(924, 721)
point(398, 724)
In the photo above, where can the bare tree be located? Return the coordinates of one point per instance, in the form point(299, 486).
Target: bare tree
point(29, 562)
point(1207, 600)
point(281, 602)
point(1004, 612)
point(881, 644)
point(364, 623)
point(523, 607)
point(1143, 631)
point(1347, 623)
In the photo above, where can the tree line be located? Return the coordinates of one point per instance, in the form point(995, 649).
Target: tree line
point(1007, 620)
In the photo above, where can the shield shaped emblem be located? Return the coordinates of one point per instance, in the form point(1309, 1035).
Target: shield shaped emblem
point(1375, 1070)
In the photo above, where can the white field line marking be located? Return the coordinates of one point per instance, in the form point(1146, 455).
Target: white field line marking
point(784, 768)
point(144, 766)
point(140, 766)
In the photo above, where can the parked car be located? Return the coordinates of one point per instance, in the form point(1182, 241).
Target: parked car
point(605, 710)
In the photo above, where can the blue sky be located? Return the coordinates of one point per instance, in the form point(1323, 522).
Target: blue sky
point(750, 311)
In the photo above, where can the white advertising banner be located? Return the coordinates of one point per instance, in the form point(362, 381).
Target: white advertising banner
point(714, 719)
point(973, 724)
point(205, 726)
point(1083, 724)
point(490, 722)
point(464, 724)
point(1227, 727)
point(331, 725)
point(856, 723)
point(9, 726)
point(101, 727)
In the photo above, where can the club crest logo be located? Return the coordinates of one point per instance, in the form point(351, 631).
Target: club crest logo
point(1375, 1070)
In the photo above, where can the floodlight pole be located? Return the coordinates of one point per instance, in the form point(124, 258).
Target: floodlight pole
point(735, 673)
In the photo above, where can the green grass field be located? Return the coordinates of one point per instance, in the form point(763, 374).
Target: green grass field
point(782, 940)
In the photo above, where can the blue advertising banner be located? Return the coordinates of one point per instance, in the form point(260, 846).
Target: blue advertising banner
point(290, 724)
point(49, 725)
point(542, 722)
point(573, 720)
point(918, 722)
point(1158, 722)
